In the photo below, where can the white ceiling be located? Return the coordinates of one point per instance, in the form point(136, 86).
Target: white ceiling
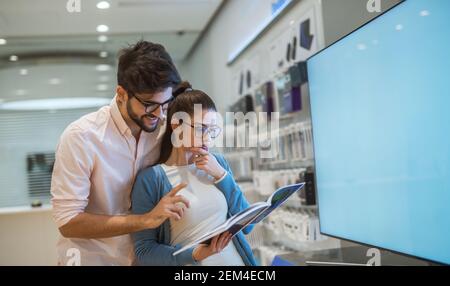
point(21, 18)
point(46, 25)
point(53, 43)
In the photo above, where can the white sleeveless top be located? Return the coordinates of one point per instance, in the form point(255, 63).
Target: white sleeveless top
point(208, 209)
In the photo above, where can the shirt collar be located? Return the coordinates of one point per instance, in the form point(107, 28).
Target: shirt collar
point(117, 117)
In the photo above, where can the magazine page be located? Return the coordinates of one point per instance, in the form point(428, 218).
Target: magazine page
point(234, 224)
point(278, 198)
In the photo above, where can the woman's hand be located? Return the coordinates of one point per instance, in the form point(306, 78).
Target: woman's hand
point(218, 243)
point(208, 163)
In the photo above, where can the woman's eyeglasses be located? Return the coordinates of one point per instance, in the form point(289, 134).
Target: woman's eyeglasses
point(201, 130)
point(151, 106)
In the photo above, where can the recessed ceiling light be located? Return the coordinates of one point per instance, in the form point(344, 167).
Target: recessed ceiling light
point(102, 38)
point(103, 54)
point(103, 5)
point(54, 81)
point(23, 71)
point(13, 58)
point(2, 41)
point(102, 28)
point(102, 68)
point(102, 87)
point(21, 92)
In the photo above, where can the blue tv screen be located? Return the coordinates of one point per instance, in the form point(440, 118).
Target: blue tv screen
point(380, 105)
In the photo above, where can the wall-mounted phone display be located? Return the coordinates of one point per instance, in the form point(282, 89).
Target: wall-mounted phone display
point(308, 35)
point(264, 98)
point(298, 74)
point(289, 97)
point(244, 104)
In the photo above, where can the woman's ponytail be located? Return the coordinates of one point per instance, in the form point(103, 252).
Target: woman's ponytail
point(183, 87)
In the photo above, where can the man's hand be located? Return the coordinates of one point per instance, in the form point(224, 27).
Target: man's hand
point(170, 206)
point(217, 244)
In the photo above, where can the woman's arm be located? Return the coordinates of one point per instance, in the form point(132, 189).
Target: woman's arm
point(145, 196)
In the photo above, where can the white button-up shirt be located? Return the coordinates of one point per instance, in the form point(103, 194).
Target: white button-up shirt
point(97, 160)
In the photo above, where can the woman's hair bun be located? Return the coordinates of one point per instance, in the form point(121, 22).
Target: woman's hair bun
point(182, 88)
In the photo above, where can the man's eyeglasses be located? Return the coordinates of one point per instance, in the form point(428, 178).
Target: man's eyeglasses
point(151, 106)
point(201, 130)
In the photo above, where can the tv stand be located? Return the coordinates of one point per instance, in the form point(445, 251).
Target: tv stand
point(348, 256)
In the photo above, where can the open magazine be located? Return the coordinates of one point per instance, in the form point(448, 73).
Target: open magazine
point(252, 215)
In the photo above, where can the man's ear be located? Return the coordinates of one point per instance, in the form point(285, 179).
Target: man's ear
point(122, 95)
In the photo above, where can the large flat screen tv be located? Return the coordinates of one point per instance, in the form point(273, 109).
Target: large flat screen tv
point(380, 104)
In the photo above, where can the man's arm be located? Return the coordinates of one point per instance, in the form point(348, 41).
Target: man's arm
point(86, 225)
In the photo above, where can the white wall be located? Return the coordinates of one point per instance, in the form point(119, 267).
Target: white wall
point(207, 68)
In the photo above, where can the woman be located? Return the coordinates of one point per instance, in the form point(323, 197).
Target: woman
point(210, 188)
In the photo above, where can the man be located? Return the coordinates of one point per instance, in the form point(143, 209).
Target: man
point(99, 156)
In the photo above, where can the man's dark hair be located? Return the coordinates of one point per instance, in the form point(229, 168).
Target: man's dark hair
point(146, 68)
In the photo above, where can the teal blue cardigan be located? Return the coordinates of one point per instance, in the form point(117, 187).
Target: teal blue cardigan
point(152, 246)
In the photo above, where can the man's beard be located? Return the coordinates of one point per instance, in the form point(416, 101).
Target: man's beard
point(140, 121)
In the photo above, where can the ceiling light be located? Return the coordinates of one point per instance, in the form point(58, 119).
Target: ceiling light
point(102, 28)
point(23, 71)
point(103, 54)
point(2, 41)
point(399, 27)
point(102, 68)
point(102, 38)
point(102, 87)
point(13, 58)
point(21, 92)
point(103, 5)
point(54, 81)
